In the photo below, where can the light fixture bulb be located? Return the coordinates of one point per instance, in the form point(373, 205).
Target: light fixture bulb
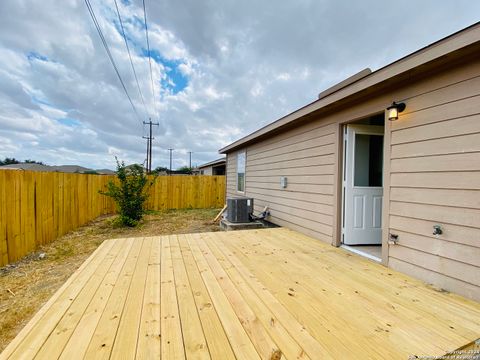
point(392, 114)
point(394, 110)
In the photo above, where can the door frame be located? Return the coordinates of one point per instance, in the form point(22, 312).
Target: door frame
point(339, 171)
point(349, 166)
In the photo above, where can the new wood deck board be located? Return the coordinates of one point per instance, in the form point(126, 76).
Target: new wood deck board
point(270, 293)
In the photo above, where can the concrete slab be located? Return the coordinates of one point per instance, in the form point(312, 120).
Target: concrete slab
point(226, 225)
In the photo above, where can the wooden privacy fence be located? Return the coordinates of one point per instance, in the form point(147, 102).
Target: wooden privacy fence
point(187, 192)
point(38, 207)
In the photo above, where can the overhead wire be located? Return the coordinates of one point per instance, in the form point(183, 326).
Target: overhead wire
point(130, 57)
point(107, 49)
point(149, 57)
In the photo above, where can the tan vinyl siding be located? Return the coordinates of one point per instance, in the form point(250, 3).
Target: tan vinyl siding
point(231, 172)
point(435, 179)
point(304, 155)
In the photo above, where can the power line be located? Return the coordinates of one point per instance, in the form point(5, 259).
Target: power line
point(130, 57)
point(149, 57)
point(107, 49)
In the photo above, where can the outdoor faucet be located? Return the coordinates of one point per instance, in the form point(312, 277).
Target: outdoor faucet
point(437, 230)
point(392, 239)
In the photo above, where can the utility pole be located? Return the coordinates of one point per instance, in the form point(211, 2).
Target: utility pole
point(148, 152)
point(149, 144)
point(190, 161)
point(170, 173)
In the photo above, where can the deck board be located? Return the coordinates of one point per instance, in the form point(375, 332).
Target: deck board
point(103, 337)
point(248, 294)
point(129, 325)
point(91, 317)
point(193, 336)
point(149, 345)
point(236, 332)
point(171, 331)
point(217, 340)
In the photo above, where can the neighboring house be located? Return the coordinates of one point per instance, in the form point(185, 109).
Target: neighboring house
point(71, 169)
point(338, 170)
point(174, 173)
point(105, 172)
point(216, 167)
point(62, 168)
point(27, 166)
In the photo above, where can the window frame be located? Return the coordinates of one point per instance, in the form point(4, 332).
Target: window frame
point(244, 153)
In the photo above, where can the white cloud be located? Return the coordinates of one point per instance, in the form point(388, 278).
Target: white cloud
point(257, 89)
point(283, 76)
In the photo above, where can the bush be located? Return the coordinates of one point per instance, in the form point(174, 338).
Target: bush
point(129, 192)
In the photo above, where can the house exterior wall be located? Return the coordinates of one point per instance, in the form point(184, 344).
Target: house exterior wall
point(435, 179)
point(305, 156)
point(431, 176)
point(206, 170)
point(231, 165)
point(213, 170)
point(219, 170)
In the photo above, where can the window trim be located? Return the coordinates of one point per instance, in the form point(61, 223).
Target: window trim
point(244, 153)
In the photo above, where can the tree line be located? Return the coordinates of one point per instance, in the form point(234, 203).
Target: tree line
point(9, 161)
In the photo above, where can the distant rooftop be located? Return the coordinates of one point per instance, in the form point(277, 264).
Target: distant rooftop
point(213, 163)
point(62, 168)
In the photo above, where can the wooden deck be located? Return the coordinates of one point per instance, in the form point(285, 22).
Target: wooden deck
point(252, 294)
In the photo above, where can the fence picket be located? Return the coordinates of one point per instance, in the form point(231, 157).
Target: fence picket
point(38, 207)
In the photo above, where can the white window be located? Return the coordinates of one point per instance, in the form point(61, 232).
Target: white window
point(241, 171)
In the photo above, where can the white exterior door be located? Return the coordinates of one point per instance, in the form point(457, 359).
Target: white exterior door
point(362, 185)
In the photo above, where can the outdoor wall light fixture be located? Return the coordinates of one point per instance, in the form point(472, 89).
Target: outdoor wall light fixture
point(394, 110)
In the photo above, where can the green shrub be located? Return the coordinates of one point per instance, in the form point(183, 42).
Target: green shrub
point(129, 192)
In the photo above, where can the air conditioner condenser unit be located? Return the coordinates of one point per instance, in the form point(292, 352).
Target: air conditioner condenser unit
point(239, 210)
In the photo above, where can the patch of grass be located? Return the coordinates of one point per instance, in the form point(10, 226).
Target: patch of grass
point(26, 285)
point(152, 212)
point(65, 251)
point(115, 222)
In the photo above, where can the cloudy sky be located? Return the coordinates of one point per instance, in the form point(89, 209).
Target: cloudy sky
point(221, 69)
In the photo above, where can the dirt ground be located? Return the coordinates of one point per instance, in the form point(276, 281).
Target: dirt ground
point(26, 285)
